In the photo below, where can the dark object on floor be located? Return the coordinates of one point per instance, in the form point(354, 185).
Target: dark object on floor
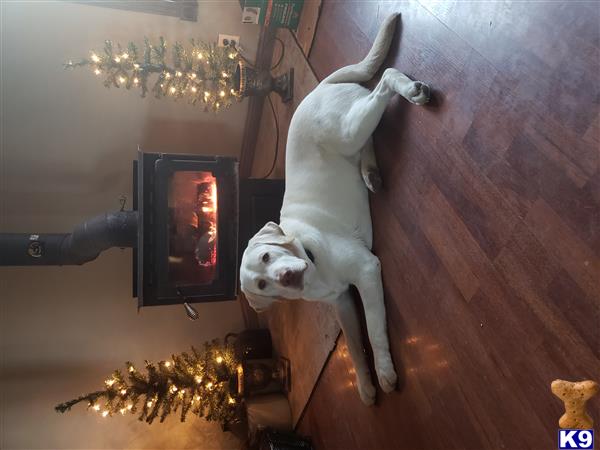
point(269, 439)
point(238, 428)
point(252, 344)
point(266, 376)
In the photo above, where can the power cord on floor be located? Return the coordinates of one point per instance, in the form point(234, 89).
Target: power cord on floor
point(251, 64)
point(275, 114)
point(282, 54)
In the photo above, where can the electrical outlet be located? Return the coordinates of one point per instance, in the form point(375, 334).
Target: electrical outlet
point(225, 40)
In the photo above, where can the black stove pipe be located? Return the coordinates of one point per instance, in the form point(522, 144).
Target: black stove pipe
point(84, 244)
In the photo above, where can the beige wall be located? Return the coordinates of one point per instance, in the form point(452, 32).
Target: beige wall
point(67, 147)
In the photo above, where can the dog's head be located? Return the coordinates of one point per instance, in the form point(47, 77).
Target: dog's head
point(273, 267)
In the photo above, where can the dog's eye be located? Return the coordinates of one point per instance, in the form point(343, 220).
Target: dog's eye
point(265, 258)
point(262, 284)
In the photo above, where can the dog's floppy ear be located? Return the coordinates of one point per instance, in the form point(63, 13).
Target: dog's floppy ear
point(259, 303)
point(271, 234)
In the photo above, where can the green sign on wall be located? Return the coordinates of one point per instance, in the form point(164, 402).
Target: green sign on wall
point(272, 13)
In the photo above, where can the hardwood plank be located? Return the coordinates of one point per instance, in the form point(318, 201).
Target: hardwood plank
point(576, 206)
point(498, 119)
point(437, 229)
point(528, 270)
point(592, 135)
point(574, 256)
point(578, 309)
point(580, 157)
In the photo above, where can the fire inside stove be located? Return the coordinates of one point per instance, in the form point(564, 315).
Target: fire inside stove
point(193, 226)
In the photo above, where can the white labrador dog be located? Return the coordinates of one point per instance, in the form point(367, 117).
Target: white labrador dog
point(323, 243)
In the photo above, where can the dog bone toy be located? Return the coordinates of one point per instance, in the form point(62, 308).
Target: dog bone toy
point(575, 395)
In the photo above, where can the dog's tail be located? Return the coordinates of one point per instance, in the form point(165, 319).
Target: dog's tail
point(366, 69)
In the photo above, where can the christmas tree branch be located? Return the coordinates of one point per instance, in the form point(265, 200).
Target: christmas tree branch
point(90, 398)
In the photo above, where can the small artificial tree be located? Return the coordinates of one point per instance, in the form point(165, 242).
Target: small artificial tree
point(203, 73)
point(202, 383)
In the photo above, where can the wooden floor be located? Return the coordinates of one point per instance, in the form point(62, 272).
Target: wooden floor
point(488, 228)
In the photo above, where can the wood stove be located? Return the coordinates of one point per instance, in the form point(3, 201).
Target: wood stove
point(187, 249)
point(192, 217)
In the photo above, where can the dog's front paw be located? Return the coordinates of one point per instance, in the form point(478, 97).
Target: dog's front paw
point(386, 375)
point(418, 93)
point(367, 393)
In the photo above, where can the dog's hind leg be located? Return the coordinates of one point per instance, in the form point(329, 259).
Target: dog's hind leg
point(415, 92)
point(368, 167)
point(360, 121)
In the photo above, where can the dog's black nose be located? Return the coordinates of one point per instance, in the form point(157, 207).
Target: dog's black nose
point(287, 278)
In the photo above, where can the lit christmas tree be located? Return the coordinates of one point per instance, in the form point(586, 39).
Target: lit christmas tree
point(204, 384)
point(203, 73)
